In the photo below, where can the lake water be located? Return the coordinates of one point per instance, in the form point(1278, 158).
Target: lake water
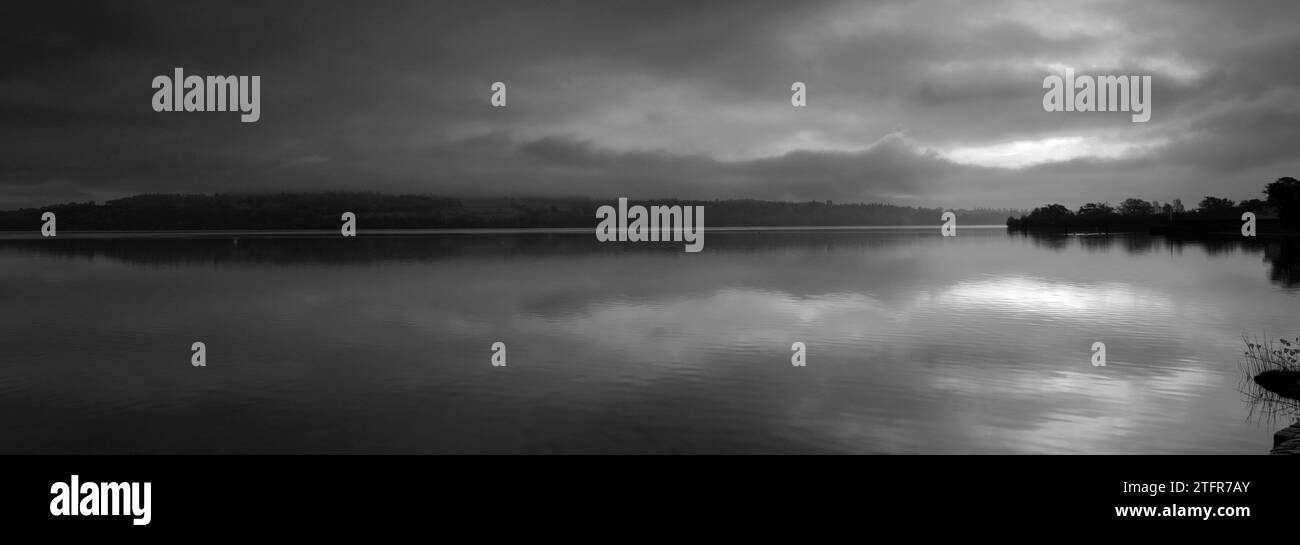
point(915, 343)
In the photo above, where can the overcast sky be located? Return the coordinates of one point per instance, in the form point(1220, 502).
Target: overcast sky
point(935, 103)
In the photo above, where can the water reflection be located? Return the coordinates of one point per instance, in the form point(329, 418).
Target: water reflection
point(916, 343)
point(1282, 255)
point(1284, 262)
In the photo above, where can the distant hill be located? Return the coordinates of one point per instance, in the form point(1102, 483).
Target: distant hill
point(382, 211)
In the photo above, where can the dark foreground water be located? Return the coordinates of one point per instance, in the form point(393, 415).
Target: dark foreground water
point(916, 343)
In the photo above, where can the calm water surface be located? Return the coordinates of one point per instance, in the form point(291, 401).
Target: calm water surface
point(916, 343)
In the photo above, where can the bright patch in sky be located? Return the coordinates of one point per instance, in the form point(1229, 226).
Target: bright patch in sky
point(1026, 153)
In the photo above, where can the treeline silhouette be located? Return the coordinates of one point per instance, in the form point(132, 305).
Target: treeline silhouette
point(1279, 212)
point(384, 211)
point(1280, 254)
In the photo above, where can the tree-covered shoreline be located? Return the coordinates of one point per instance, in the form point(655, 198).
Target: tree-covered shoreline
point(1279, 212)
point(385, 211)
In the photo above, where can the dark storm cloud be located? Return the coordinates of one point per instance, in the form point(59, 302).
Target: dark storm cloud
point(912, 102)
point(890, 167)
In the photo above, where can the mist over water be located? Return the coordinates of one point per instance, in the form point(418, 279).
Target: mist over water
point(916, 343)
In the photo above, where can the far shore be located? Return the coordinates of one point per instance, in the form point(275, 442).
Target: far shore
point(252, 233)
